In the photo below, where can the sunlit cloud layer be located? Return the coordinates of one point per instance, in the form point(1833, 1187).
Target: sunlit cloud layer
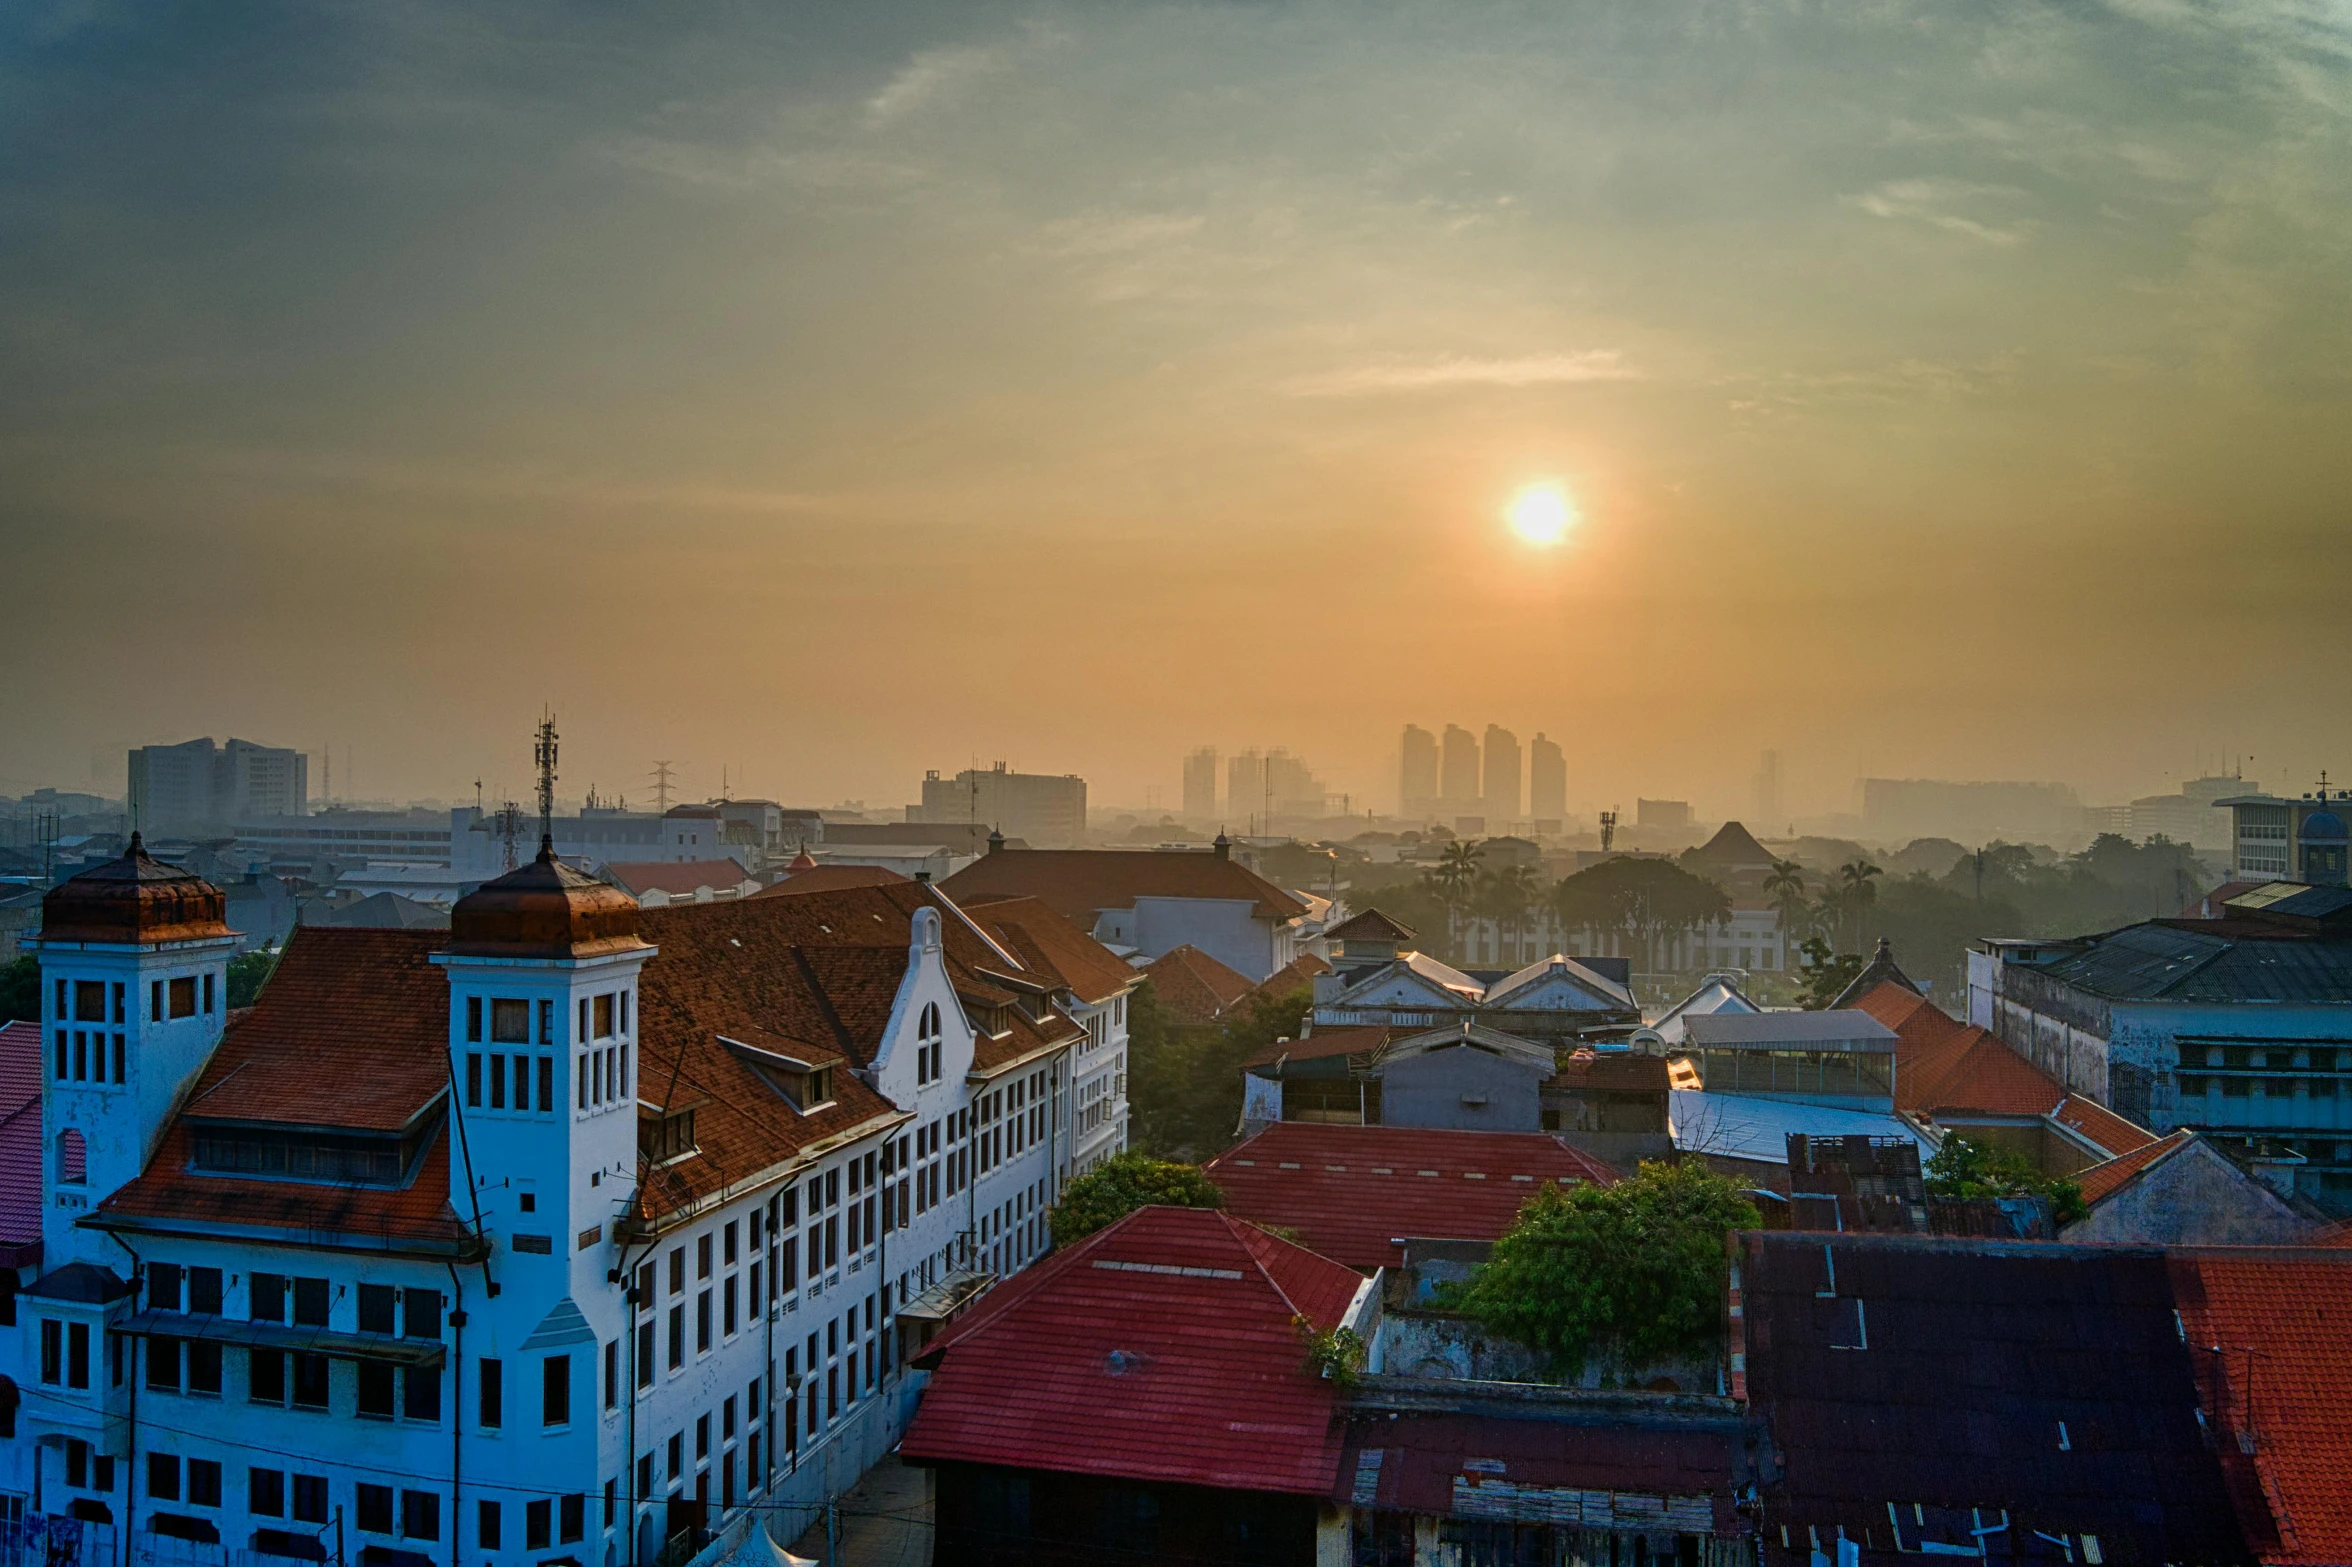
point(838, 392)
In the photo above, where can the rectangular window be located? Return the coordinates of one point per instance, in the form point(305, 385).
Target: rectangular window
point(473, 1080)
point(375, 1308)
point(490, 1392)
point(154, 1000)
point(546, 1024)
point(603, 1028)
point(583, 1086)
point(266, 1297)
point(522, 1093)
point(555, 1391)
point(204, 1368)
point(77, 1354)
point(204, 1482)
point(473, 1020)
point(510, 1021)
point(701, 1438)
point(310, 1498)
point(265, 1492)
point(574, 1518)
point(546, 1083)
point(498, 1082)
point(677, 1337)
point(208, 993)
point(265, 1375)
point(645, 1354)
point(89, 1001)
point(420, 1391)
point(310, 1381)
point(538, 1517)
point(612, 1374)
point(420, 1515)
point(728, 1293)
point(163, 1476)
point(182, 996)
point(702, 1322)
point(486, 1525)
point(204, 1291)
point(163, 1363)
point(702, 1257)
point(420, 1313)
point(310, 1303)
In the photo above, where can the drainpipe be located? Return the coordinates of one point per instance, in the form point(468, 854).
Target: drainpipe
point(457, 1322)
point(131, 1459)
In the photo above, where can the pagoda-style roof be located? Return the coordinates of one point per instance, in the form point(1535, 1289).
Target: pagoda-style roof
point(545, 909)
point(133, 901)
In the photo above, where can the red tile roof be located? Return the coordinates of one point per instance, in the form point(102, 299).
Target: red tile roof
point(1296, 975)
point(1081, 883)
point(1194, 987)
point(168, 1193)
point(20, 1134)
point(1166, 1347)
point(1351, 1192)
point(680, 879)
point(2102, 1181)
point(1050, 945)
point(1371, 925)
point(2272, 1332)
point(2102, 1125)
point(1440, 1464)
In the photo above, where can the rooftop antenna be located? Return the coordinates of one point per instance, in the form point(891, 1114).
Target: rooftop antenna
point(1608, 830)
point(661, 787)
point(510, 829)
point(543, 756)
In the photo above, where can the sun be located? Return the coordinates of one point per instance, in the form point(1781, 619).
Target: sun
point(1541, 514)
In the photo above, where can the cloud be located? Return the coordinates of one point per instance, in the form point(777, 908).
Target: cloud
point(1930, 200)
point(1595, 364)
point(927, 78)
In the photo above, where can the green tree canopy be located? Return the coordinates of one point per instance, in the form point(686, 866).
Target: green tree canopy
point(1643, 901)
point(1637, 1268)
point(1962, 1168)
point(248, 972)
point(20, 991)
point(1120, 1185)
point(1184, 1084)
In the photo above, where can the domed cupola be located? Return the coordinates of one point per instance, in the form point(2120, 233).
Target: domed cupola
point(136, 900)
point(545, 909)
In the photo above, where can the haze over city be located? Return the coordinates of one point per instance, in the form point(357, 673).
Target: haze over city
point(829, 395)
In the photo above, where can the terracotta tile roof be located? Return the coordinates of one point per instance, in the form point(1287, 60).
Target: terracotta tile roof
point(1619, 1071)
point(1194, 987)
point(20, 1134)
point(1048, 944)
point(168, 1193)
point(2269, 1330)
point(351, 1031)
point(1163, 1348)
point(1366, 1040)
point(2102, 1181)
point(832, 878)
point(1080, 883)
point(1296, 975)
point(680, 879)
point(2102, 1125)
point(1350, 1192)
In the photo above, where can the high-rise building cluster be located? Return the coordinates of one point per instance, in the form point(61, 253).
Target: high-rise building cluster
point(1259, 787)
point(1460, 775)
point(199, 785)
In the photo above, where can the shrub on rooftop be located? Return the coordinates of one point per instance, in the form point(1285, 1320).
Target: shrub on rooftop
point(1120, 1185)
point(1962, 1168)
point(1635, 1270)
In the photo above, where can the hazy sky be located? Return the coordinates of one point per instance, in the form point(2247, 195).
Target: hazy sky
point(835, 391)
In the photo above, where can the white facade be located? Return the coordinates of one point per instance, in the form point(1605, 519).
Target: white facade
point(559, 1379)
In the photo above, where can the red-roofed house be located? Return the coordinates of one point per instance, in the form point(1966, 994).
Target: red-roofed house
point(1195, 989)
point(1353, 1193)
point(658, 884)
point(2183, 1190)
point(1144, 1395)
point(2267, 1331)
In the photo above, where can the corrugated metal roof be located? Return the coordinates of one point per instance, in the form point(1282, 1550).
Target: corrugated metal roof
point(1823, 1030)
point(2164, 962)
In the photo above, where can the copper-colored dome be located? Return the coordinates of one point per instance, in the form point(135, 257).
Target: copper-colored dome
point(132, 901)
point(544, 909)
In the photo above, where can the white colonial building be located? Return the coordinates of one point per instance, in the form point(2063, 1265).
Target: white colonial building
point(567, 1234)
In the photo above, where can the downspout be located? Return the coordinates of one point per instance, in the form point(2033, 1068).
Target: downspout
point(628, 1275)
point(457, 1320)
point(130, 1458)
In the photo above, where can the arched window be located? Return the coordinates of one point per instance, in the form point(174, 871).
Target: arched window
point(73, 1158)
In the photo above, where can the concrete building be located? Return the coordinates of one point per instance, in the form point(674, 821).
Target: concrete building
point(1896, 810)
point(573, 1230)
point(336, 839)
point(1458, 786)
point(1501, 780)
point(200, 787)
point(1669, 815)
point(1417, 789)
point(2275, 838)
point(1045, 809)
point(1547, 785)
point(1200, 785)
point(2235, 1027)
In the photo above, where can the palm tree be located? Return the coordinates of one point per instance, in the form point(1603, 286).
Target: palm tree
point(1856, 893)
point(1786, 885)
point(1455, 875)
point(1506, 896)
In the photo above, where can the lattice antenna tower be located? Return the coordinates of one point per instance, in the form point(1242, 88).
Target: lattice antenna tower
point(661, 787)
point(1608, 830)
point(543, 757)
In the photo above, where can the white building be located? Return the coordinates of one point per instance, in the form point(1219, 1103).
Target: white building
point(557, 1234)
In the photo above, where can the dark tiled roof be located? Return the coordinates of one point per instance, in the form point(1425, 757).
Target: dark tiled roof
point(2046, 1383)
point(1350, 1192)
point(1440, 1464)
point(168, 1194)
point(1371, 925)
point(2222, 960)
point(832, 878)
point(1296, 975)
point(1366, 1040)
point(1050, 945)
point(2274, 1333)
point(1163, 1348)
point(1080, 883)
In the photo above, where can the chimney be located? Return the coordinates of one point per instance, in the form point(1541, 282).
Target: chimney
point(996, 840)
point(1222, 848)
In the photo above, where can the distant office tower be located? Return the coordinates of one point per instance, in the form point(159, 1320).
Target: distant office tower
point(1547, 781)
point(1502, 774)
point(182, 788)
point(1292, 786)
point(1764, 801)
point(1662, 813)
point(1200, 784)
point(1417, 786)
point(1245, 789)
point(1048, 811)
point(1458, 785)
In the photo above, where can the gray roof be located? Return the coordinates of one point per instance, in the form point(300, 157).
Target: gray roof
point(2157, 962)
point(1847, 1030)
